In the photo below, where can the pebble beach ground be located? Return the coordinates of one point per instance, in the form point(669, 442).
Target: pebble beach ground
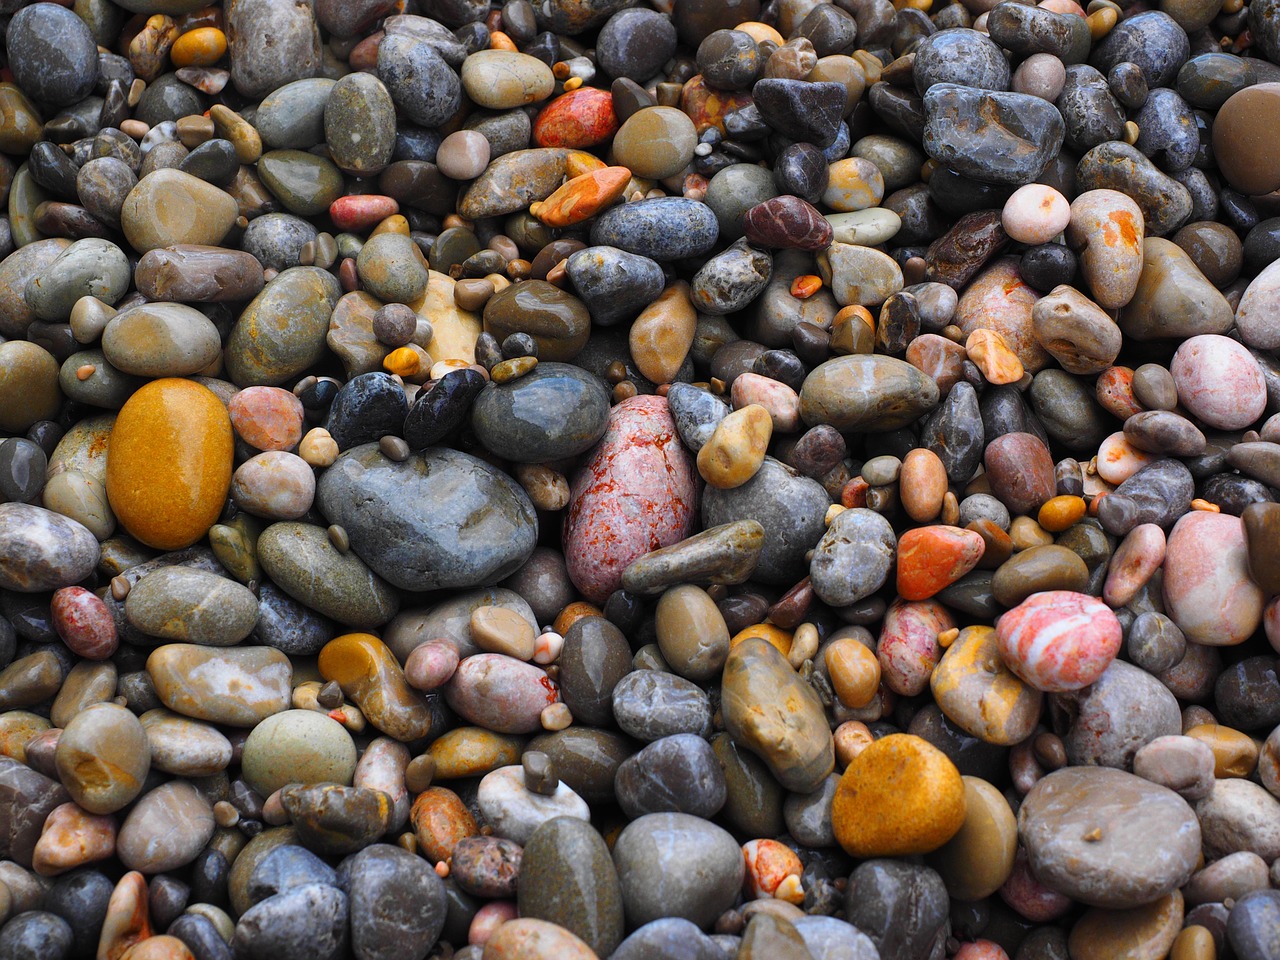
point(684, 480)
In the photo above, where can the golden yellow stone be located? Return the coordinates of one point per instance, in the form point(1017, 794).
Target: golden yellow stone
point(202, 47)
point(776, 637)
point(473, 752)
point(736, 450)
point(899, 797)
point(1235, 754)
point(1059, 513)
point(369, 674)
point(169, 467)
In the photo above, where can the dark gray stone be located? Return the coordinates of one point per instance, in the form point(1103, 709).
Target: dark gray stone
point(554, 412)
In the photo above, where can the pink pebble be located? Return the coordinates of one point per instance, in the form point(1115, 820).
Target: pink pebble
point(980, 950)
point(1118, 459)
point(1219, 381)
point(1207, 589)
point(635, 493)
point(1059, 640)
point(84, 623)
point(1135, 561)
point(1041, 75)
point(908, 647)
point(361, 211)
point(431, 664)
point(1028, 897)
point(781, 401)
point(488, 919)
point(267, 418)
point(1035, 214)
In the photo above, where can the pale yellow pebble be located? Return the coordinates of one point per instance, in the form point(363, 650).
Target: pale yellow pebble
point(555, 717)
point(318, 448)
point(736, 450)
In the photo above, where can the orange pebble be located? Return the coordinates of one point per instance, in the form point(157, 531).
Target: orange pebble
point(582, 197)
point(854, 310)
point(805, 286)
point(768, 864)
point(760, 32)
point(1205, 505)
point(403, 362)
point(202, 47)
point(854, 671)
point(1059, 513)
point(851, 737)
point(774, 636)
point(574, 612)
point(991, 354)
point(500, 41)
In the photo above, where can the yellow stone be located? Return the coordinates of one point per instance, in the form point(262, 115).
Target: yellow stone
point(1235, 754)
point(900, 796)
point(473, 752)
point(854, 671)
point(169, 467)
point(202, 47)
point(663, 333)
point(455, 330)
point(978, 693)
point(736, 449)
point(369, 674)
point(776, 637)
point(1141, 933)
point(1060, 513)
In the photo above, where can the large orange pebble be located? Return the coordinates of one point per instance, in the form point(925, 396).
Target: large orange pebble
point(582, 197)
point(578, 119)
point(931, 558)
point(440, 819)
point(202, 47)
point(169, 467)
point(899, 797)
point(922, 484)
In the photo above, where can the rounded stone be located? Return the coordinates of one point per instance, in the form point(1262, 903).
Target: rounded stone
point(103, 757)
point(297, 746)
point(554, 412)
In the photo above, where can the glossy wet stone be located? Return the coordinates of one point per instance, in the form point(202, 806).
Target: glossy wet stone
point(1023, 133)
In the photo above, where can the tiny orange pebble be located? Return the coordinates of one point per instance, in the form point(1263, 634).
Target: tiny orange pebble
point(402, 361)
point(1205, 505)
point(776, 637)
point(582, 197)
point(561, 70)
point(500, 41)
point(1060, 513)
point(805, 286)
point(574, 612)
point(854, 310)
point(202, 47)
point(573, 83)
point(86, 371)
point(947, 637)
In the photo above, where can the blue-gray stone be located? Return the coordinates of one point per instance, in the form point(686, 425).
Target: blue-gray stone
point(664, 228)
point(989, 136)
point(554, 412)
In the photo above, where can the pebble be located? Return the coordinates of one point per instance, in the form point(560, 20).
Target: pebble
point(102, 758)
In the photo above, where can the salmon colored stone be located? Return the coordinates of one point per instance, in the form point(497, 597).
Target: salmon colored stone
point(84, 623)
point(776, 637)
point(361, 211)
point(169, 467)
point(1135, 561)
point(579, 119)
point(202, 47)
point(128, 919)
point(1059, 640)
point(71, 838)
point(1060, 513)
point(768, 864)
point(582, 197)
point(908, 646)
point(707, 107)
point(440, 819)
point(991, 354)
point(1114, 390)
point(981, 695)
point(1118, 459)
point(931, 558)
point(162, 947)
point(922, 484)
point(267, 418)
point(899, 797)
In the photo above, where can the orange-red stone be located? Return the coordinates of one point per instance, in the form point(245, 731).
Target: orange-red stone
point(930, 558)
point(580, 118)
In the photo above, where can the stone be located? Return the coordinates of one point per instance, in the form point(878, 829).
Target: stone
point(397, 902)
point(236, 686)
point(43, 550)
point(179, 603)
point(979, 858)
point(26, 800)
point(1059, 640)
point(900, 906)
point(1021, 133)
point(852, 559)
point(169, 207)
point(1207, 590)
point(866, 392)
point(102, 758)
point(165, 829)
point(977, 691)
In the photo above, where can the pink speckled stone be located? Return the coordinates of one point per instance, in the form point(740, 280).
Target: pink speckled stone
point(267, 418)
point(1030, 898)
point(1138, 557)
point(980, 950)
point(84, 623)
point(635, 493)
point(1059, 640)
point(908, 647)
point(1219, 381)
point(1207, 590)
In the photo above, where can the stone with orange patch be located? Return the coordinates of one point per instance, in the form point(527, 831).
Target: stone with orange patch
point(578, 119)
point(980, 694)
point(989, 352)
point(582, 197)
point(900, 796)
point(369, 674)
point(707, 107)
point(1107, 229)
point(931, 558)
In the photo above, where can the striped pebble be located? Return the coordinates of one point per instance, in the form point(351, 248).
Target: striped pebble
point(1059, 640)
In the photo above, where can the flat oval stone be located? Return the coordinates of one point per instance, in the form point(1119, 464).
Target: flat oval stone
point(500, 693)
point(188, 273)
point(281, 333)
point(168, 207)
point(859, 274)
point(52, 54)
point(161, 340)
point(866, 392)
point(166, 829)
point(468, 525)
point(663, 229)
point(182, 603)
point(513, 181)
point(557, 320)
point(604, 532)
point(652, 704)
point(794, 740)
point(170, 468)
point(183, 747)
point(1108, 838)
point(237, 686)
point(43, 550)
point(977, 691)
point(503, 79)
point(1207, 590)
point(554, 412)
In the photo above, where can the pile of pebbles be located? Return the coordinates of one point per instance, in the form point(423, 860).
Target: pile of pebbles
point(578, 479)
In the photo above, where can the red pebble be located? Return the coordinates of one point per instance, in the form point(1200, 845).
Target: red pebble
point(934, 557)
point(361, 211)
point(84, 623)
point(580, 118)
point(634, 494)
point(1059, 640)
point(267, 418)
point(980, 950)
point(1114, 391)
point(1030, 898)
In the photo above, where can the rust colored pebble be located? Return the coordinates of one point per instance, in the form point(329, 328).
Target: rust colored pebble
point(84, 623)
point(578, 119)
point(267, 418)
point(931, 558)
point(1060, 513)
point(582, 197)
point(361, 211)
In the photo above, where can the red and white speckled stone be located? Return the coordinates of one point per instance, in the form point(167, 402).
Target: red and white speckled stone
point(84, 623)
point(635, 493)
point(1207, 590)
point(908, 647)
point(1219, 381)
point(1059, 640)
